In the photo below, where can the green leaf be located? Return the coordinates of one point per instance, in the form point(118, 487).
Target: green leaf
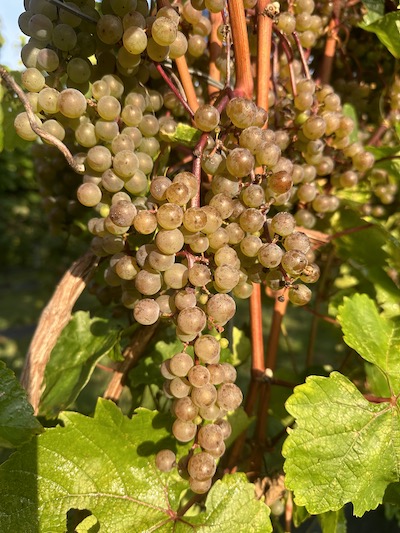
point(364, 251)
point(375, 337)
point(231, 507)
point(344, 448)
point(349, 111)
point(186, 135)
point(377, 380)
point(17, 423)
point(239, 421)
point(106, 465)
point(82, 343)
point(375, 10)
point(387, 29)
point(333, 522)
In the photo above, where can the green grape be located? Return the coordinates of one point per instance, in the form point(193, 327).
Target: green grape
point(48, 60)
point(72, 103)
point(299, 294)
point(40, 28)
point(89, 194)
point(23, 127)
point(64, 37)
point(48, 100)
point(164, 31)
point(109, 29)
point(207, 117)
point(108, 107)
point(33, 80)
point(79, 70)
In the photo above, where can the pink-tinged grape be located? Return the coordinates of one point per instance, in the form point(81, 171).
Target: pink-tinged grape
point(184, 431)
point(146, 312)
point(230, 373)
point(165, 460)
point(283, 224)
point(270, 255)
point(176, 277)
point(297, 241)
point(200, 487)
point(207, 349)
point(185, 298)
point(220, 309)
point(179, 387)
point(191, 320)
point(204, 396)
point(185, 409)
point(229, 396)
point(180, 364)
point(198, 376)
point(148, 282)
point(210, 437)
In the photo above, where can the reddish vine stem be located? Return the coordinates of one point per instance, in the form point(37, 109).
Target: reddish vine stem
point(330, 46)
point(287, 48)
point(237, 19)
point(183, 70)
point(132, 354)
point(264, 38)
point(55, 316)
point(174, 89)
point(215, 48)
point(48, 137)
point(280, 306)
point(303, 58)
point(378, 134)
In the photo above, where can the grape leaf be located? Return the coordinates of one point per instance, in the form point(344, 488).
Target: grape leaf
point(375, 10)
point(343, 449)
point(17, 423)
point(232, 493)
point(387, 29)
point(333, 522)
point(106, 465)
point(375, 337)
point(185, 134)
point(82, 343)
point(349, 111)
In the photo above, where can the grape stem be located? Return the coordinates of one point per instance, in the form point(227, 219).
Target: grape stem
point(132, 353)
point(215, 47)
point(183, 71)
point(174, 89)
point(237, 20)
point(53, 320)
point(287, 48)
point(302, 56)
point(13, 85)
point(330, 46)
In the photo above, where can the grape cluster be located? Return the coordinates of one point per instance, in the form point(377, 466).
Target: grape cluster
point(177, 244)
